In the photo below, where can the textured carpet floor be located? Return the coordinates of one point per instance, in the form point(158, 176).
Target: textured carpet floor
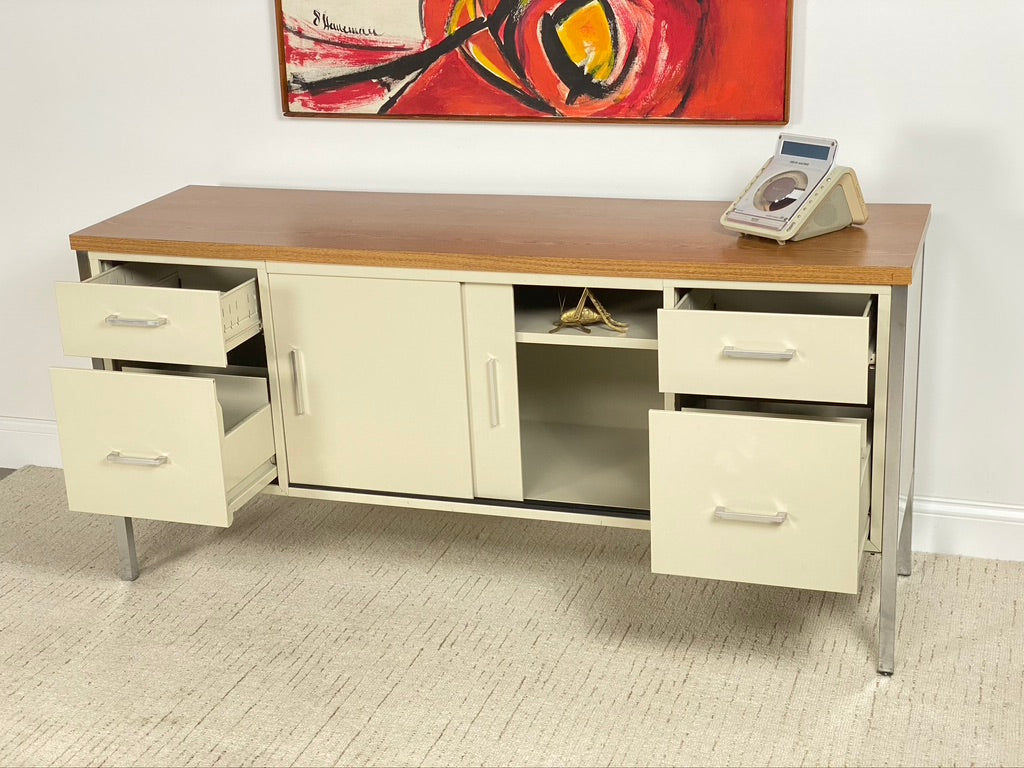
point(313, 633)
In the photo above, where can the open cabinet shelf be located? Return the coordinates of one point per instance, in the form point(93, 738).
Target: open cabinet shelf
point(538, 308)
point(585, 464)
point(583, 424)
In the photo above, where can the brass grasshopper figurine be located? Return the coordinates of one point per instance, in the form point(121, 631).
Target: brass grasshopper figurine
point(582, 316)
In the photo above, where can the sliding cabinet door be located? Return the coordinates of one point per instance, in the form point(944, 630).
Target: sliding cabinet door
point(373, 384)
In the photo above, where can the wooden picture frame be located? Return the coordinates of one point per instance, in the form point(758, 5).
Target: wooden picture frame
point(674, 61)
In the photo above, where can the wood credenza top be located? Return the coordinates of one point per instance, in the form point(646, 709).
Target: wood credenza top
point(499, 233)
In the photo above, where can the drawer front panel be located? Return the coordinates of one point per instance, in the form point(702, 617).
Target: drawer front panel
point(759, 499)
point(155, 323)
point(153, 446)
point(821, 358)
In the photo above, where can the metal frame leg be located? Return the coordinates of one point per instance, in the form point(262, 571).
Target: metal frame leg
point(900, 456)
point(124, 535)
point(903, 556)
point(908, 453)
point(891, 495)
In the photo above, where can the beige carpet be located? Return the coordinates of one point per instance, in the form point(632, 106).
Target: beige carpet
point(313, 633)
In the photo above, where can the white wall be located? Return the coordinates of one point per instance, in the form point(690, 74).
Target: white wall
point(109, 103)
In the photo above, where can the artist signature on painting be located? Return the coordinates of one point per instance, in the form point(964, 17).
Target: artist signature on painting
point(322, 20)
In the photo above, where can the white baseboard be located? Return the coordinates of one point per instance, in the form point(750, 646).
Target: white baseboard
point(28, 441)
point(943, 526)
point(972, 529)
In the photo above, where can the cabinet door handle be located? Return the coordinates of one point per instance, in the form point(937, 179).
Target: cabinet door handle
point(128, 322)
point(750, 517)
point(116, 457)
point(492, 390)
point(756, 354)
point(299, 375)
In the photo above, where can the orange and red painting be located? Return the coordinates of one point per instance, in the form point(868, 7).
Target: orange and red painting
point(677, 60)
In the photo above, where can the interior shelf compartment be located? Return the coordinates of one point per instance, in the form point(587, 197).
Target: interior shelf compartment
point(538, 308)
point(583, 424)
point(580, 464)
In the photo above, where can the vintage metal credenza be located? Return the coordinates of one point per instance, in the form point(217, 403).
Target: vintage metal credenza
point(758, 416)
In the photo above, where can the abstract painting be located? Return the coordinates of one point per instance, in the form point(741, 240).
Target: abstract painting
point(669, 60)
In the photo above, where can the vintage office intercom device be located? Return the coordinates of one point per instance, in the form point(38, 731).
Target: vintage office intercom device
point(798, 193)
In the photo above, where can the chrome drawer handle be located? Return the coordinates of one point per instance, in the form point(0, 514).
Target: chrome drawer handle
point(755, 354)
point(299, 378)
point(116, 457)
point(127, 322)
point(492, 391)
point(749, 517)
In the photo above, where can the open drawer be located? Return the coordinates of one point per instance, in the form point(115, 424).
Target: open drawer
point(147, 312)
point(759, 498)
point(181, 448)
point(767, 344)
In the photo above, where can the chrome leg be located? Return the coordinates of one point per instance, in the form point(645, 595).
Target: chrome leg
point(908, 452)
point(903, 558)
point(891, 495)
point(124, 535)
point(887, 587)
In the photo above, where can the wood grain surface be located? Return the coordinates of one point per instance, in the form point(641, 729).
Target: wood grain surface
point(498, 233)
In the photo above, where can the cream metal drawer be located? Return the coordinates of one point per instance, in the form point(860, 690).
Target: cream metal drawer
point(181, 448)
point(764, 344)
point(142, 312)
point(757, 498)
